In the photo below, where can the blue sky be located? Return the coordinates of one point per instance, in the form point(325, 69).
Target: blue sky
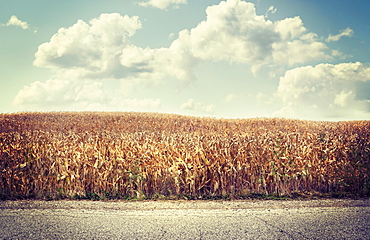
point(224, 59)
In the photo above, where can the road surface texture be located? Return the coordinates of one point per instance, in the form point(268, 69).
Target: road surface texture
point(313, 219)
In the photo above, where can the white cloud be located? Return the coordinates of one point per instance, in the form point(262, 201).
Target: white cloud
point(290, 28)
point(56, 92)
point(86, 55)
point(136, 57)
point(51, 92)
point(348, 32)
point(197, 106)
point(297, 46)
point(14, 21)
point(73, 95)
point(326, 89)
point(234, 32)
point(299, 52)
point(92, 49)
point(233, 97)
point(344, 98)
point(171, 36)
point(101, 49)
point(92, 92)
point(162, 4)
point(272, 9)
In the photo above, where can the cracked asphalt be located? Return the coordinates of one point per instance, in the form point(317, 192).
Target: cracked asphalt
point(313, 219)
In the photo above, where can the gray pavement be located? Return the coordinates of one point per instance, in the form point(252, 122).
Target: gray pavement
point(185, 220)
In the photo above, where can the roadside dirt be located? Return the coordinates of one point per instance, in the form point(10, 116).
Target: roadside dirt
point(182, 204)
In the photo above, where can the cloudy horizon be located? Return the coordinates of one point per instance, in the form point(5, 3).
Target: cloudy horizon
point(224, 59)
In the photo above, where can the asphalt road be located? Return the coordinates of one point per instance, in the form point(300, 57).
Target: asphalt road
point(185, 220)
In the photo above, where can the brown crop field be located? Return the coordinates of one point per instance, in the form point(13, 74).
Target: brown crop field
point(101, 155)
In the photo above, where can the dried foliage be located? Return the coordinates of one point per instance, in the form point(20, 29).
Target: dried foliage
point(148, 155)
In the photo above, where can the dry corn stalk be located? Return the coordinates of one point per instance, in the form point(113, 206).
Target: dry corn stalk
point(149, 155)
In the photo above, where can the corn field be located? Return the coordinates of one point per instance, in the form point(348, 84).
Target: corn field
point(148, 156)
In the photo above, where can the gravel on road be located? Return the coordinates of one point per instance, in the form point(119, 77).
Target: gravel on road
point(182, 204)
point(247, 219)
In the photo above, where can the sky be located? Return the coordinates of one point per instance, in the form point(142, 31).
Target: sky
point(301, 59)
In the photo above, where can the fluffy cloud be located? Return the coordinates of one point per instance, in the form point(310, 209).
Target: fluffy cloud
point(162, 4)
point(197, 106)
point(234, 32)
point(296, 45)
point(348, 32)
point(86, 55)
point(92, 49)
point(14, 21)
point(51, 92)
point(72, 95)
point(233, 97)
point(55, 92)
point(101, 49)
point(327, 89)
point(271, 9)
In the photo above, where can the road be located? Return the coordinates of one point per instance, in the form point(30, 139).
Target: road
point(324, 219)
